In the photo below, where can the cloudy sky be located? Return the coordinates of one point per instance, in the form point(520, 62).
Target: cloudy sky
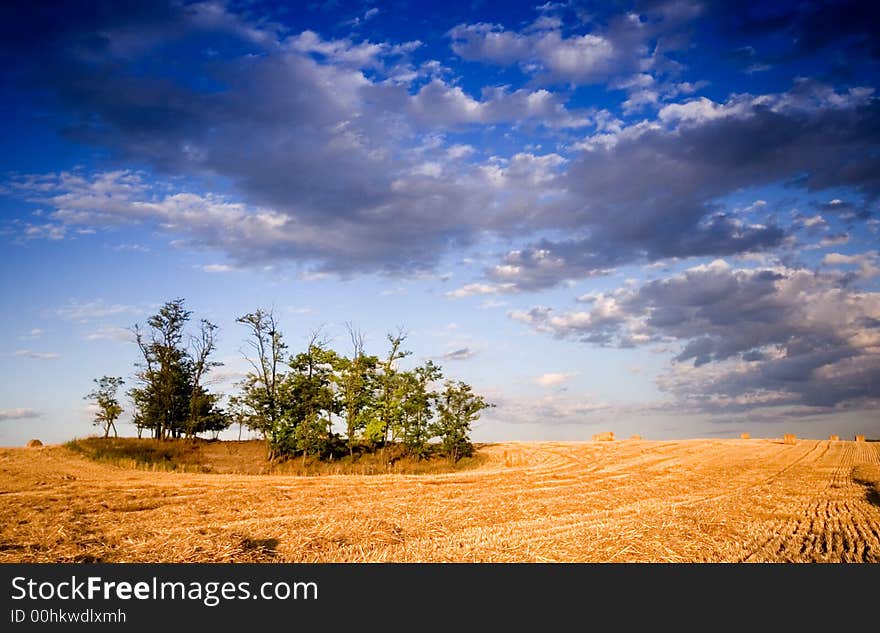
point(649, 217)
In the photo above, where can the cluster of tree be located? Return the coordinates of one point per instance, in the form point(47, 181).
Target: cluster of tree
point(294, 401)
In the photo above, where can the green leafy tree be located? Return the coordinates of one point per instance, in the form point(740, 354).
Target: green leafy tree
point(258, 404)
point(417, 407)
point(109, 409)
point(169, 398)
point(457, 407)
point(354, 378)
point(387, 413)
point(310, 401)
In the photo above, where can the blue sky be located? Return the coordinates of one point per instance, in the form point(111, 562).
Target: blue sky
point(656, 218)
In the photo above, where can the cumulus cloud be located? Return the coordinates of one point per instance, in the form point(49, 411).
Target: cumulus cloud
point(440, 104)
point(623, 43)
point(811, 138)
point(336, 161)
point(868, 263)
point(745, 337)
point(19, 413)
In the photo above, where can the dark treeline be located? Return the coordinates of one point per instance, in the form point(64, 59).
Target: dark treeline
point(293, 400)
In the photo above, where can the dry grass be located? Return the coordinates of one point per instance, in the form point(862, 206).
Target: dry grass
point(674, 501)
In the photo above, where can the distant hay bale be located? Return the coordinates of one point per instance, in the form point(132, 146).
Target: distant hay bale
point(789, 438)
point(634, 437)
point(744, 436)
point(608, 436)
point(860, 438)
point(834, 438)
point(34, 443)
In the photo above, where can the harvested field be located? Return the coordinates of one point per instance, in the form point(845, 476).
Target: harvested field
point(664, 501)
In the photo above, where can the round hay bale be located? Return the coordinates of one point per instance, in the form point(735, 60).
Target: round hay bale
point(34, 443)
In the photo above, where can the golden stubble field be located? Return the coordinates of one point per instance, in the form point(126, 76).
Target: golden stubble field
point(753, 500)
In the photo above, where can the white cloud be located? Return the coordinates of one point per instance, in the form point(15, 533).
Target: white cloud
point(700, 110)
point(470, 290)
point(390, 292)
point(438, 103)
point(361, 55)
point(110, 332)
point(620, 46)
point(578, 59)
point(47, 231)
point(19, 413)
point(89, 310)
point(868, 262)
point(553, 379)
point(26, 353)
point(217, 268)
point(549, 409)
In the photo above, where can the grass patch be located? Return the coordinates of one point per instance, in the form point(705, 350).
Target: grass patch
point(250, 457)
point(141, 454)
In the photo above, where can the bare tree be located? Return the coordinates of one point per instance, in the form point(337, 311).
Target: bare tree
point(203, 345)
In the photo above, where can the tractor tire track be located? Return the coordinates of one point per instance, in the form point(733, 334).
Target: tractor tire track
point(837, 524)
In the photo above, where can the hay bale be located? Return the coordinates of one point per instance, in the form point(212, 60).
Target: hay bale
point(635, 437)
point(789, 438)
point(34, 443)
point(744, 436)
point(834, 438)
point(608, 436)
point(860, 438)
